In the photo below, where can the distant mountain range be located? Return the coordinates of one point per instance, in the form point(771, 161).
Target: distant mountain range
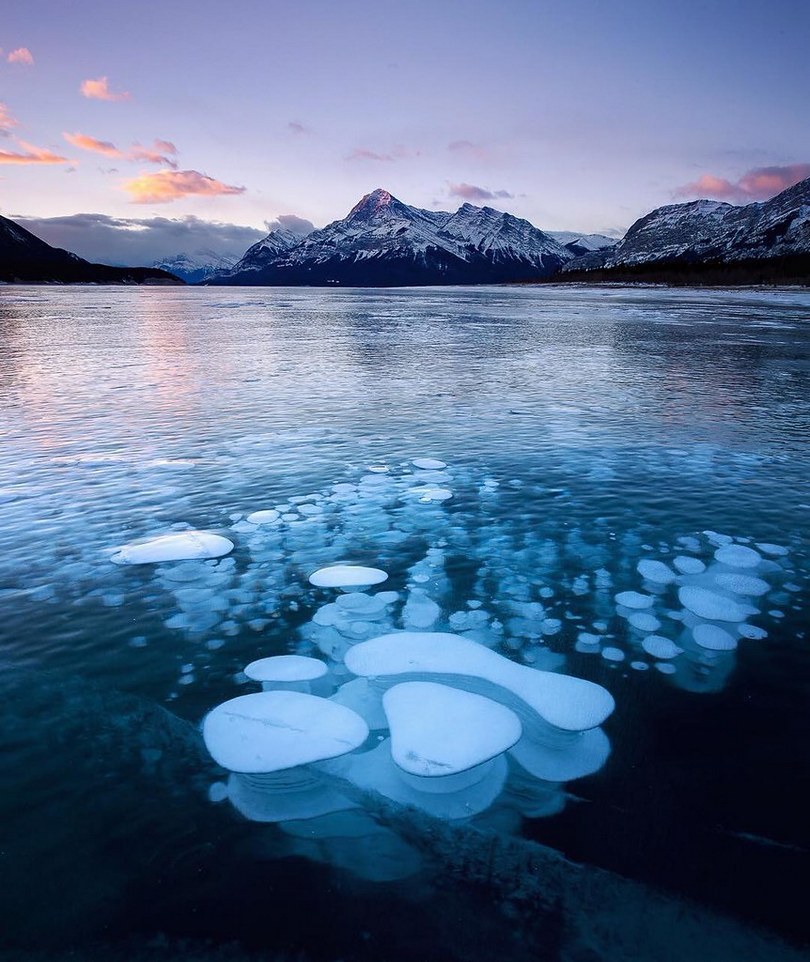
point(196, 266)
point(26, 259)
point(383, 242)
point(710, 242)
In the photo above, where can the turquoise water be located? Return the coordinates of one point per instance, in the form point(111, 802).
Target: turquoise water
point(584, 430)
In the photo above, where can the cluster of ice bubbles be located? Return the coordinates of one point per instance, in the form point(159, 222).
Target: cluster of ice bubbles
point(427, 719)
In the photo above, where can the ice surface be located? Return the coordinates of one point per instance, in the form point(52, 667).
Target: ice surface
point(710, 605)
point(437, 730)
point(347, 576)
point(184, 546)
point(563, 701)
point(275, 730)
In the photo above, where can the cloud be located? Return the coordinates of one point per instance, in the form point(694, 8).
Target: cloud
point(99, 90)
point(466, 148)
point(298, 128)
point(30, 155)
point(759, 183)
point(291, 222)
point(167, 185)
point(21, 55)
point(137, 152)
point(6, 121)
point(398, 153)
point(471, 192)
point(83, 142)
point(156, 155)
point(139, 242)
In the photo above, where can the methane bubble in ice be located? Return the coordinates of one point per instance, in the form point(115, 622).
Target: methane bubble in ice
point(655, 571)
point(438, 731)
point(428, 464)
point(644, 621)
point(752, 632)
point(742, 584)
point(634, 599)
point(710, 605)
point(738, 556)
point(774, 550)
point(347, 576)
point(291, 672)
point(689, 566)
point(263, 517)
point(187, 545)
point(713, 638)
point(613, 654)
point(660, 647)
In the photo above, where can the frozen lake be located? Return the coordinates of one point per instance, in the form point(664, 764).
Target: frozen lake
point(646, 443)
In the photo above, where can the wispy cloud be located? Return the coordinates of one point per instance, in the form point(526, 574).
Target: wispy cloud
point(472, 192)
point(83, 142)
point(30, 155)
point(296, 127)
point(397, 153)
point(168, 185)
point(7, 121)
point(140, 241)
point(157, 154)
point(759, 183)
point(21, 55)
point(466, 148)
point(99, 89)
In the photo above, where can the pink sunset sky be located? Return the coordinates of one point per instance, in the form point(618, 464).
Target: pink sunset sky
point(206, 121)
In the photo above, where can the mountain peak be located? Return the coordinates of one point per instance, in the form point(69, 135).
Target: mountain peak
point(376, 202)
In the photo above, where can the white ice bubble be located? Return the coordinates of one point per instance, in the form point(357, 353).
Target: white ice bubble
point(438, 731)
point(752, 632)
point(347, 576)
point(710, 605)
point(688, 566)
point(275, 730)
point(774, 550)
point(429, 493)
point(713, 638)
point(263, 517)
point(634, 599)
point(655, 571)
point(665, 668)
point(660, 647)
point(644, 621)
point(742, 584)
point(738, 556)
point(428, 464)
point(613, 654)
point(639, 665)
point(187, 545)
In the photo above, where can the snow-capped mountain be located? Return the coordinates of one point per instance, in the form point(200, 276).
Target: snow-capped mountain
point(26, 259)
point(582, 243)
point(383, 242)
point(709, 232)
point(196, 266)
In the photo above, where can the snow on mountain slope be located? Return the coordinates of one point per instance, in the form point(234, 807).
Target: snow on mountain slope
point(196, 266)
point(582, 243)
point(384, 242)
point(710, 231)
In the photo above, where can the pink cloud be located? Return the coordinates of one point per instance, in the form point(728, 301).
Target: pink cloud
point(154, 156)
point(472, 192)
point(6, 121)
point(83, 142)
point(21, 55)
point(168, 185)
point(99, 90)
point(397, 153)
point(30, 155)
point(760, 183)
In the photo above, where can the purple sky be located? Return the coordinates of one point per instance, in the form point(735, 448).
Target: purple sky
point(581, 115)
